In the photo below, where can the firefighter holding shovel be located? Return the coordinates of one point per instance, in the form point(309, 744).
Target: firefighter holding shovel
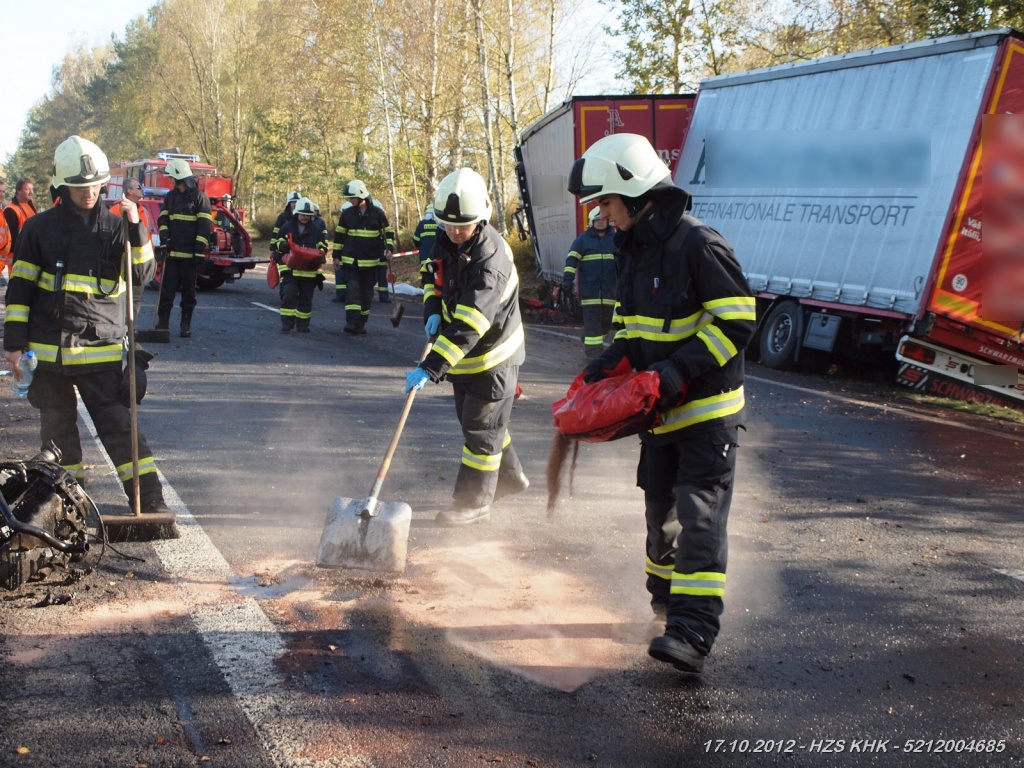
point(474, 312)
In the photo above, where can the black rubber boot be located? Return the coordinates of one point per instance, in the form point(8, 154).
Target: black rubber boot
point(465, 516)
point(186, 323)
point(163, 320)
point(677, 652)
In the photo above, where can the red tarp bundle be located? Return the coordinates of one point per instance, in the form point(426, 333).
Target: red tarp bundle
point(622, 404)
point(303, 258)
point(273, 274)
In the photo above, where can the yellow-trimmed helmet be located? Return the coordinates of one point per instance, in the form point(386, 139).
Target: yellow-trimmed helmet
point(355, 188)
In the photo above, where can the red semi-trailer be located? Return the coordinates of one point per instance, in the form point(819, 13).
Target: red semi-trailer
point(854, 188)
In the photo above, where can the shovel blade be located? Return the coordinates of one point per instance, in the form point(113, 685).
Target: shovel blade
point(396, 315)
point(378, 543)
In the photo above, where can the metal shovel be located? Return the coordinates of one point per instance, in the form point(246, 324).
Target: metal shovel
point(367, 533)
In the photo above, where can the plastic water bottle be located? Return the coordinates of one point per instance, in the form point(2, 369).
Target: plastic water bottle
point(27, 363)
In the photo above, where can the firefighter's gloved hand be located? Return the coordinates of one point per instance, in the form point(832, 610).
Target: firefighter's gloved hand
point(432, 326)
point(568, 289)
point(671, 381)
point(142, 358)
point(597, 370)
point(320, 282)
point(415, 379)
point(277, 257)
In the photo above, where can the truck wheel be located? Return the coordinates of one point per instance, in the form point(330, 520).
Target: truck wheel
point(779, 335)
point(208, 278)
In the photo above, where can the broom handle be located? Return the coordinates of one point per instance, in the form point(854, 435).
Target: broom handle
point(132, 406)
point(370, 508)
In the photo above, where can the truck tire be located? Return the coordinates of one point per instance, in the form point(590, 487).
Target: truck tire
point(209, 277)
point(779, 335)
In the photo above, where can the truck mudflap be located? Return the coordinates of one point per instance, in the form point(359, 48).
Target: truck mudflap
point(933, 370)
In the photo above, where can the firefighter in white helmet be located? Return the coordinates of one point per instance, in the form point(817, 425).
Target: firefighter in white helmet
point(303, 244)
point(474, 312)
point(590, 265)
point(66, 302)
point(362, 238)
point(186, 225)
point(683, 275)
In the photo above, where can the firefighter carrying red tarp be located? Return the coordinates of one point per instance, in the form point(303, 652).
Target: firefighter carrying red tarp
point(300, 250)
point(687, 313)
point(480, 347)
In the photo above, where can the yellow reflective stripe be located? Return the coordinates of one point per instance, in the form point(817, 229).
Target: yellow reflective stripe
point(77, 471)
point(184, 217)
point(704, 409)
point(142, 254)
point(472, 317)
point(513, 279)
point(661, 571)
point(569, 271)
point(482, 461)
point(17, 313)
point(286, 312)
point(718, 343)
point(507, 441)
point(304, 273)
point(201, 239)
point(46, 353)
point(653, 328)
point(105, 353)
point(303, 315)
point(353, 307)
point(26, 271)
point(733, 308)
point(598, 302)
point(204, 215)
point(599, 257)
point(448, 351)
point(702, 583)
point(593, 340)
point(493, 357)
point(364, 233)
point(180, 255)
point(87, 285)
point(146, 466)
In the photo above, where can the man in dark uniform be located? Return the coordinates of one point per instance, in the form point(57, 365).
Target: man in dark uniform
point(186, 225)
point(687, 313)
point(66, 303)
point(475, 309)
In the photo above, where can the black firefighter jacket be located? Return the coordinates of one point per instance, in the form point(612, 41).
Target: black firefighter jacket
point(481, 327)
point(66, 300)
point(186, 223)
point(683, 297)
point(361, 236)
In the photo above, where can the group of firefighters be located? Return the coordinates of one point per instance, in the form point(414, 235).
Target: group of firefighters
point(682, 309)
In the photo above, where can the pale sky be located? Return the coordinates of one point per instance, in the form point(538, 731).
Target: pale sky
point(36, 36)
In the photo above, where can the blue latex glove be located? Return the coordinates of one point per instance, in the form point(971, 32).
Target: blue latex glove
point(433, 325)
point(415, 379)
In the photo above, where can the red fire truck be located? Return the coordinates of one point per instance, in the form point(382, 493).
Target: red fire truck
point(230, 252)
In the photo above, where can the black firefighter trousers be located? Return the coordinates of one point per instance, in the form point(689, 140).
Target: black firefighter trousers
point(53, 393)
point(687, 492)
point(483, 405)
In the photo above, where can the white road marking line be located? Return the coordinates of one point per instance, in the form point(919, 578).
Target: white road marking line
point(275, 310)
point(1013, 573)
point(242, 640)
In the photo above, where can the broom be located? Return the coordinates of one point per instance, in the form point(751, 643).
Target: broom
point(556, 468)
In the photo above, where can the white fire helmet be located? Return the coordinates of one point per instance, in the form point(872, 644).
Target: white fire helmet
point(594, 215)
point(355, 188)
point(79, 163)
point(621, 164)
point(304, 207)
point(178, 169)
point(462, 199)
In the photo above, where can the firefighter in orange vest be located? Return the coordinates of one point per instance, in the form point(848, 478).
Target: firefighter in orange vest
point(5, 236)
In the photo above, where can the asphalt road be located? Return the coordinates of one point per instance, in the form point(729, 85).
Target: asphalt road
point(873, 608)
